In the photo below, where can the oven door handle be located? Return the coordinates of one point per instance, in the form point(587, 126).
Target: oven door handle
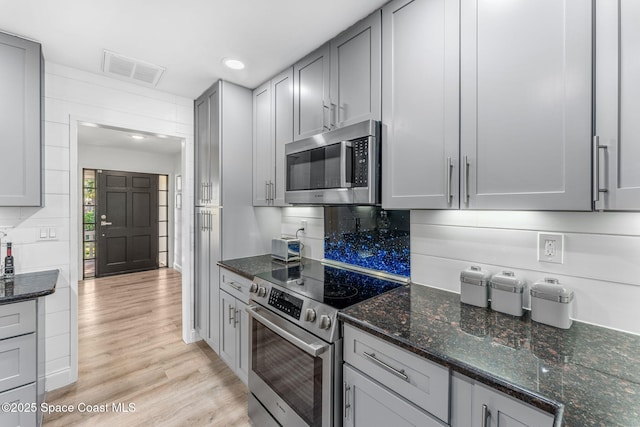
point(314, 349)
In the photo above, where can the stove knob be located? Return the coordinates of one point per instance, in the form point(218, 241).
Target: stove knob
point(325, 322)
point(310, 315)
point(253, 288)
point(262, 291)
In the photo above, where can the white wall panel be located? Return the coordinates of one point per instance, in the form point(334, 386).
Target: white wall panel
point(57, 158)
point(313, 238)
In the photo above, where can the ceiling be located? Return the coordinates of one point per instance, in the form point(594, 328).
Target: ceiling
point(188, 38)
point(121, 138)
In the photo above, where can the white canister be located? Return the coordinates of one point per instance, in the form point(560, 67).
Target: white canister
point(507, 293)
point(474, 286)
point(551, 303)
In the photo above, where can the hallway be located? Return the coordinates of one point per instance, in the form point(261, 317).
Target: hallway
point(132, 358)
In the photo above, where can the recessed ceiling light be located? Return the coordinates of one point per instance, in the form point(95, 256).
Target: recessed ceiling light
point(138, 137)
point(88, 124)
point(234, 64)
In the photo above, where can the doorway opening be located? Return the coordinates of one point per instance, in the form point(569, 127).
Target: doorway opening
point(125, 222)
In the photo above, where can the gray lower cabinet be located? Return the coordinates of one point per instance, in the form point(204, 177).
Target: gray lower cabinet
point(272, 129)
point(617, 105)
point(207, 253)
point(525, 105)
point(420, 113)
point(339, 83)
point(234, 322)
point(368, 403)
point(21, 86)
point(22, 362)
point(476, 405)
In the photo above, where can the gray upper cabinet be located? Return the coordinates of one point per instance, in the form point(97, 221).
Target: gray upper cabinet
point(207, 148)
point(272, 129)
point(618, 104)
point(526, 105)
point(339, 83)
point(420, 113)
point(355, 73)
point(311, 94)
point(262, 146)
point(21, 72)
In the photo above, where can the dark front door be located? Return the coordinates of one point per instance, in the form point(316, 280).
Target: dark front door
point(126, 222)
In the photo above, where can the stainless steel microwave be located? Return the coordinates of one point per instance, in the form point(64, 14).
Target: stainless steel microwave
point(341, 166)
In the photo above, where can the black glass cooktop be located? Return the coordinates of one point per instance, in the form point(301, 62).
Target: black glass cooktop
point(334, 286)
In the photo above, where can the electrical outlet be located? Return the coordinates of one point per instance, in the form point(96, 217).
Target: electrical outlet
point(303, 225)
point(551, 247)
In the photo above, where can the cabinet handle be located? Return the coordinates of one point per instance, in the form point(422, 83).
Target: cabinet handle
point(325, 109)
point(596, 164)
point(231, 314)
point(273, 192)
point(209, 220)
point(448, 171)
point(236, 318)
point(485, 415)
point(266, 192)
point(234, 285)
point(465, 181)
point(345, 399)
point(394, 371)
point(201, 220)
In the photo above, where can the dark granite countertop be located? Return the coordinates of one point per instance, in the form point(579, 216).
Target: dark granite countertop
point(28, 286)
point(589, 375)
point(250, 266)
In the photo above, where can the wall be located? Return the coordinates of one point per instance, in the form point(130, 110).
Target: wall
point(601, 256)
point(104, 157)
point(72, 95)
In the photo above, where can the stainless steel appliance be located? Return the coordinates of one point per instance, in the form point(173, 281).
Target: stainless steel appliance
point(337, 167)
point(295, 343)
point(285, 249)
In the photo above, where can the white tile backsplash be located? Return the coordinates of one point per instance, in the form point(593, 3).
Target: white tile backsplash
point(601, 253)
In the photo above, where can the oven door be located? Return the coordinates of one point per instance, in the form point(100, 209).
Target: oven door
point(291, 371)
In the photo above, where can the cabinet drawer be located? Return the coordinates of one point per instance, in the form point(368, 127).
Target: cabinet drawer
point(418, 380)
point(17, 319)
point(17, 361)
point(23, 398)
point(235, 285)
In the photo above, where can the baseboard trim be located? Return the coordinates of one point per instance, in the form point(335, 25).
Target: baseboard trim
point(177, 267)
point(58, 379)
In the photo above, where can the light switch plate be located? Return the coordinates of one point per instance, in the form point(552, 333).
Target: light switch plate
point(551, 247)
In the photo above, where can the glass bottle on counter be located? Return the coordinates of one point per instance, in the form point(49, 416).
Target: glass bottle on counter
point(9, 271)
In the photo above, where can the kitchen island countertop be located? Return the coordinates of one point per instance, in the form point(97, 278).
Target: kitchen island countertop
point(28, 286)
point(588, 375)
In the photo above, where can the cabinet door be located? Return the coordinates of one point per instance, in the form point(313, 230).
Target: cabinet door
point(526, 104)
point(355, 73)
point(420, 115)
point(262, 146)
point(227, 329)
point(213, 286)
point(618, 103)
point(367, 403)
point(202, 273)
point(282, 127)
point(311, 94)
point(242, 341)
point(202, 149)
point(501, 410)
point(22, 396)
point(213, 195)
point(20, 122)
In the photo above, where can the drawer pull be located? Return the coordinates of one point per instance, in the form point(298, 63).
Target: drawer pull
point(394, 371)
point(234, 285)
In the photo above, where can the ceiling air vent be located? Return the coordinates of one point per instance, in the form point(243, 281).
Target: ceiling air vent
point(131, 69)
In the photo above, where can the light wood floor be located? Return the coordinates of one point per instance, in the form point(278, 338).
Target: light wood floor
point(131, 352)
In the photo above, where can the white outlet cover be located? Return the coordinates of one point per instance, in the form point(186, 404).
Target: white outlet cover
point(558, 242)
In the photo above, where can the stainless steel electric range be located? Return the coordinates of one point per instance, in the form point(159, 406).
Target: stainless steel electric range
point(295, 342)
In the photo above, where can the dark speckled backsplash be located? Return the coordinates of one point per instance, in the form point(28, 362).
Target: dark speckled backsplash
point(368, 236)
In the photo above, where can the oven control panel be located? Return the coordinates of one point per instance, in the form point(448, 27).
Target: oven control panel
point(286, 303)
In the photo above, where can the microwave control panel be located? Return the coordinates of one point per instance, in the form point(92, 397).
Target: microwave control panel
point(286, 303)
point(360, 162)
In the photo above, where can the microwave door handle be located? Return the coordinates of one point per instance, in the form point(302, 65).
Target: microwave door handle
point(314, 349)
point(343, 164)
